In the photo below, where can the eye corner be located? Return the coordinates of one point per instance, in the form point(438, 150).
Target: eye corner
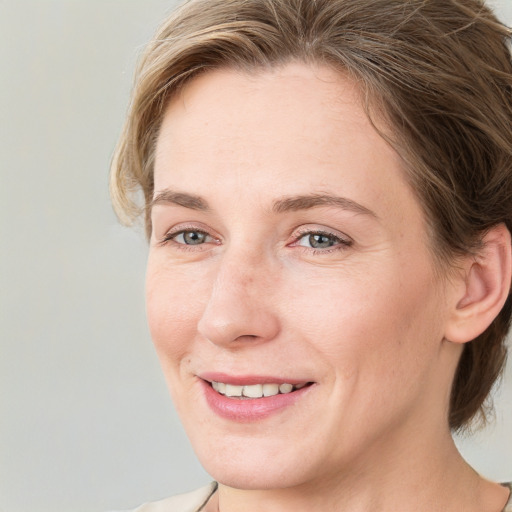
point(320, 240)
point(187, 238)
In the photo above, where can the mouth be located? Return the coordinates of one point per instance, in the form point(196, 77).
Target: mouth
point(255, 391)
point(251, 398)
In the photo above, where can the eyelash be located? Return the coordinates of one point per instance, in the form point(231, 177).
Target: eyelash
point(339, 243)
point(171, 236)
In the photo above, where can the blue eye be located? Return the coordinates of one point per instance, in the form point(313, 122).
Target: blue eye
point(318, 241)
point(190, 237)
point(321, 241)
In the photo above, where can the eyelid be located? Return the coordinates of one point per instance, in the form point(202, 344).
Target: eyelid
point(173, 232)
point(170, 234)
point(321, 230)
point(344, 240)
point(182, 232)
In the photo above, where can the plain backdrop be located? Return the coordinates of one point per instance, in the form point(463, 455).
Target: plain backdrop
point(85, 420)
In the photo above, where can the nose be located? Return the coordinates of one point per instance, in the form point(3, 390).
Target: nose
point(240, 305)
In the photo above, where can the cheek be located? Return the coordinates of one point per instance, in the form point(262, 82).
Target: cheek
point(380, 318)
point(173, 305)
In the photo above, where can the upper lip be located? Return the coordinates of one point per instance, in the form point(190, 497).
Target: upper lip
point(248, 380)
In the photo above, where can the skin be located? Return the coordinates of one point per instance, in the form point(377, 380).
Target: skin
point(366, 318)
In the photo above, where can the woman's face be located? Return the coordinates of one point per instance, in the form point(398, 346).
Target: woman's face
point(287, 249)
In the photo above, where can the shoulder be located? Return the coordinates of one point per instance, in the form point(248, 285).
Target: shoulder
point(188, 502)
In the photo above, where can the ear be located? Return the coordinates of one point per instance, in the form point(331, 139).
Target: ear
point(483, 287)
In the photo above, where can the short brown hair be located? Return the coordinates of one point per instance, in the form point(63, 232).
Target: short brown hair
point(439, 71)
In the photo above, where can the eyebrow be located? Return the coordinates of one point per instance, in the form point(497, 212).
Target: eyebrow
point(285, 204)
point(191, 201)
point(305, 202)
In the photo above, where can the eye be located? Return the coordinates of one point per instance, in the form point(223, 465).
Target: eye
point(189, 237)
point(322, 241)
point(318, 240)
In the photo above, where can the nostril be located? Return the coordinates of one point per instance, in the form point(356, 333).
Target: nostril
point(246, 337)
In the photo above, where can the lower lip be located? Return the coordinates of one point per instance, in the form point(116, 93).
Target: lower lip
point(250, 409)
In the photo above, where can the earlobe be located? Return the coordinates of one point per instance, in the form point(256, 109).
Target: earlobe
point(485, 287)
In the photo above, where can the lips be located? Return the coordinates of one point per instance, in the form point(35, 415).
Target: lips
point(250, 398)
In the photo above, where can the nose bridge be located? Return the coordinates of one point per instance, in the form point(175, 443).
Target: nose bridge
point(239, 305)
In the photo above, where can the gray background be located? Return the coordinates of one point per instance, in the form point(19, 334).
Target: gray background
point(85, 420)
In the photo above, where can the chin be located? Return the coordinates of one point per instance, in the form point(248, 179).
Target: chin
point(245, 477)
point(253, 464)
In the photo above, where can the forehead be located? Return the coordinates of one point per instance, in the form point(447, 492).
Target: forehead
point(297, 108)
point(302, 128)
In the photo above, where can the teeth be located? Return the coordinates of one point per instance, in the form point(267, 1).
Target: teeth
point(270, 389)
point(233, 390)
point(254, 390)
point(285, 388)
point(220, 387)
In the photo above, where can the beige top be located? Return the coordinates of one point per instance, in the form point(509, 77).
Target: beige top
point(196, 500)
point(190, 502)
point(508, 506)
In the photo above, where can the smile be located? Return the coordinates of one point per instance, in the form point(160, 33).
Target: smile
point(251, 398)
point(255, 390)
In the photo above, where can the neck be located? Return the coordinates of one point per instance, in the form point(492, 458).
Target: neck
point(419, 476)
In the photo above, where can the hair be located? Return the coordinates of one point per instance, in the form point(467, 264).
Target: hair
point(438, 71)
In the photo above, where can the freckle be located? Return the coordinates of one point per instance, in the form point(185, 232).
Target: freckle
point(247, 280)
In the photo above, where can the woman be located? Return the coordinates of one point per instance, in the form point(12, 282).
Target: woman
point(328, 198)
